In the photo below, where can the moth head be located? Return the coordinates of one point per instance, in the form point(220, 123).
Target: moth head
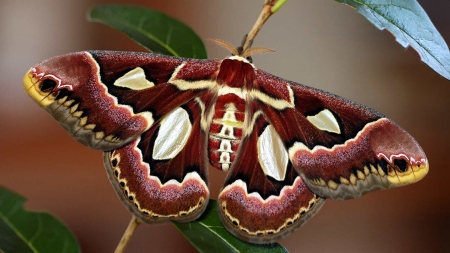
point(240, 51)
point(58, 76)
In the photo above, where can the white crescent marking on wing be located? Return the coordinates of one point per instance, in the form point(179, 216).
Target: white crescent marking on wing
point(173, 134)
point(325, 121)
point(134, 79)
point(272, 154)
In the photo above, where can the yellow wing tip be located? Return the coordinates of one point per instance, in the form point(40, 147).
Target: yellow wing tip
point(29, 84)
point(412, 175)
point(28, 81)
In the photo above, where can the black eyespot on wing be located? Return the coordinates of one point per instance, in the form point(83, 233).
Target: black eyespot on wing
point(47, 85)
point(401, 164)
point(114, 162)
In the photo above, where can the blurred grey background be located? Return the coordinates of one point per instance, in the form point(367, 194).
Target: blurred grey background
point(318, 43)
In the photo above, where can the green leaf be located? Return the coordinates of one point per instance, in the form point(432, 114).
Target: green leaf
point(411, 26)
point(207, 234)
point(151, 29)
point(23, 232)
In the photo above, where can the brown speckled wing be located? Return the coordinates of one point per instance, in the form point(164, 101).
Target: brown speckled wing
point(258, 208)
point(341, 149)
point(158, 180)
point(152, 128)
point(105, 99)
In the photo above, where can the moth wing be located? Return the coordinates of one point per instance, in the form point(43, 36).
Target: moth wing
point(162, 175)
point(341, 149)
point(105, 99)
point(263, 198)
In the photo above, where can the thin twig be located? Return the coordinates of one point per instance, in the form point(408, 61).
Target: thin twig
point(127, 234)
point(265, 14)
point(269, 8)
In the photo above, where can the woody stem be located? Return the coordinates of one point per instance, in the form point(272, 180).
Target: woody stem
point(269, 8)
point(127, 235)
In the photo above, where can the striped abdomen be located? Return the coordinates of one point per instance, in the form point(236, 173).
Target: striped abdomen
point(225, 133)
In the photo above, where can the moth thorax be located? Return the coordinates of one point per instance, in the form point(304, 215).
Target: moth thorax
point(236, 72)
point(225, 133)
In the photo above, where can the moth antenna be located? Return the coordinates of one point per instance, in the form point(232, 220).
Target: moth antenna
point(239, 51)
point(256, 50)
point(225, 45)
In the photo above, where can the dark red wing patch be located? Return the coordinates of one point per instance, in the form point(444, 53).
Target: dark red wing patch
point(159, 190)
point(381, 156)
point(256, 207)
point(342, 149)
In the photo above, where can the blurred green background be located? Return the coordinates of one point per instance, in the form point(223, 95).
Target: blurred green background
point(318, 43)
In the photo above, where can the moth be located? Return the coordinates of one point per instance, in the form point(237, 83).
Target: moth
point(163, 121)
